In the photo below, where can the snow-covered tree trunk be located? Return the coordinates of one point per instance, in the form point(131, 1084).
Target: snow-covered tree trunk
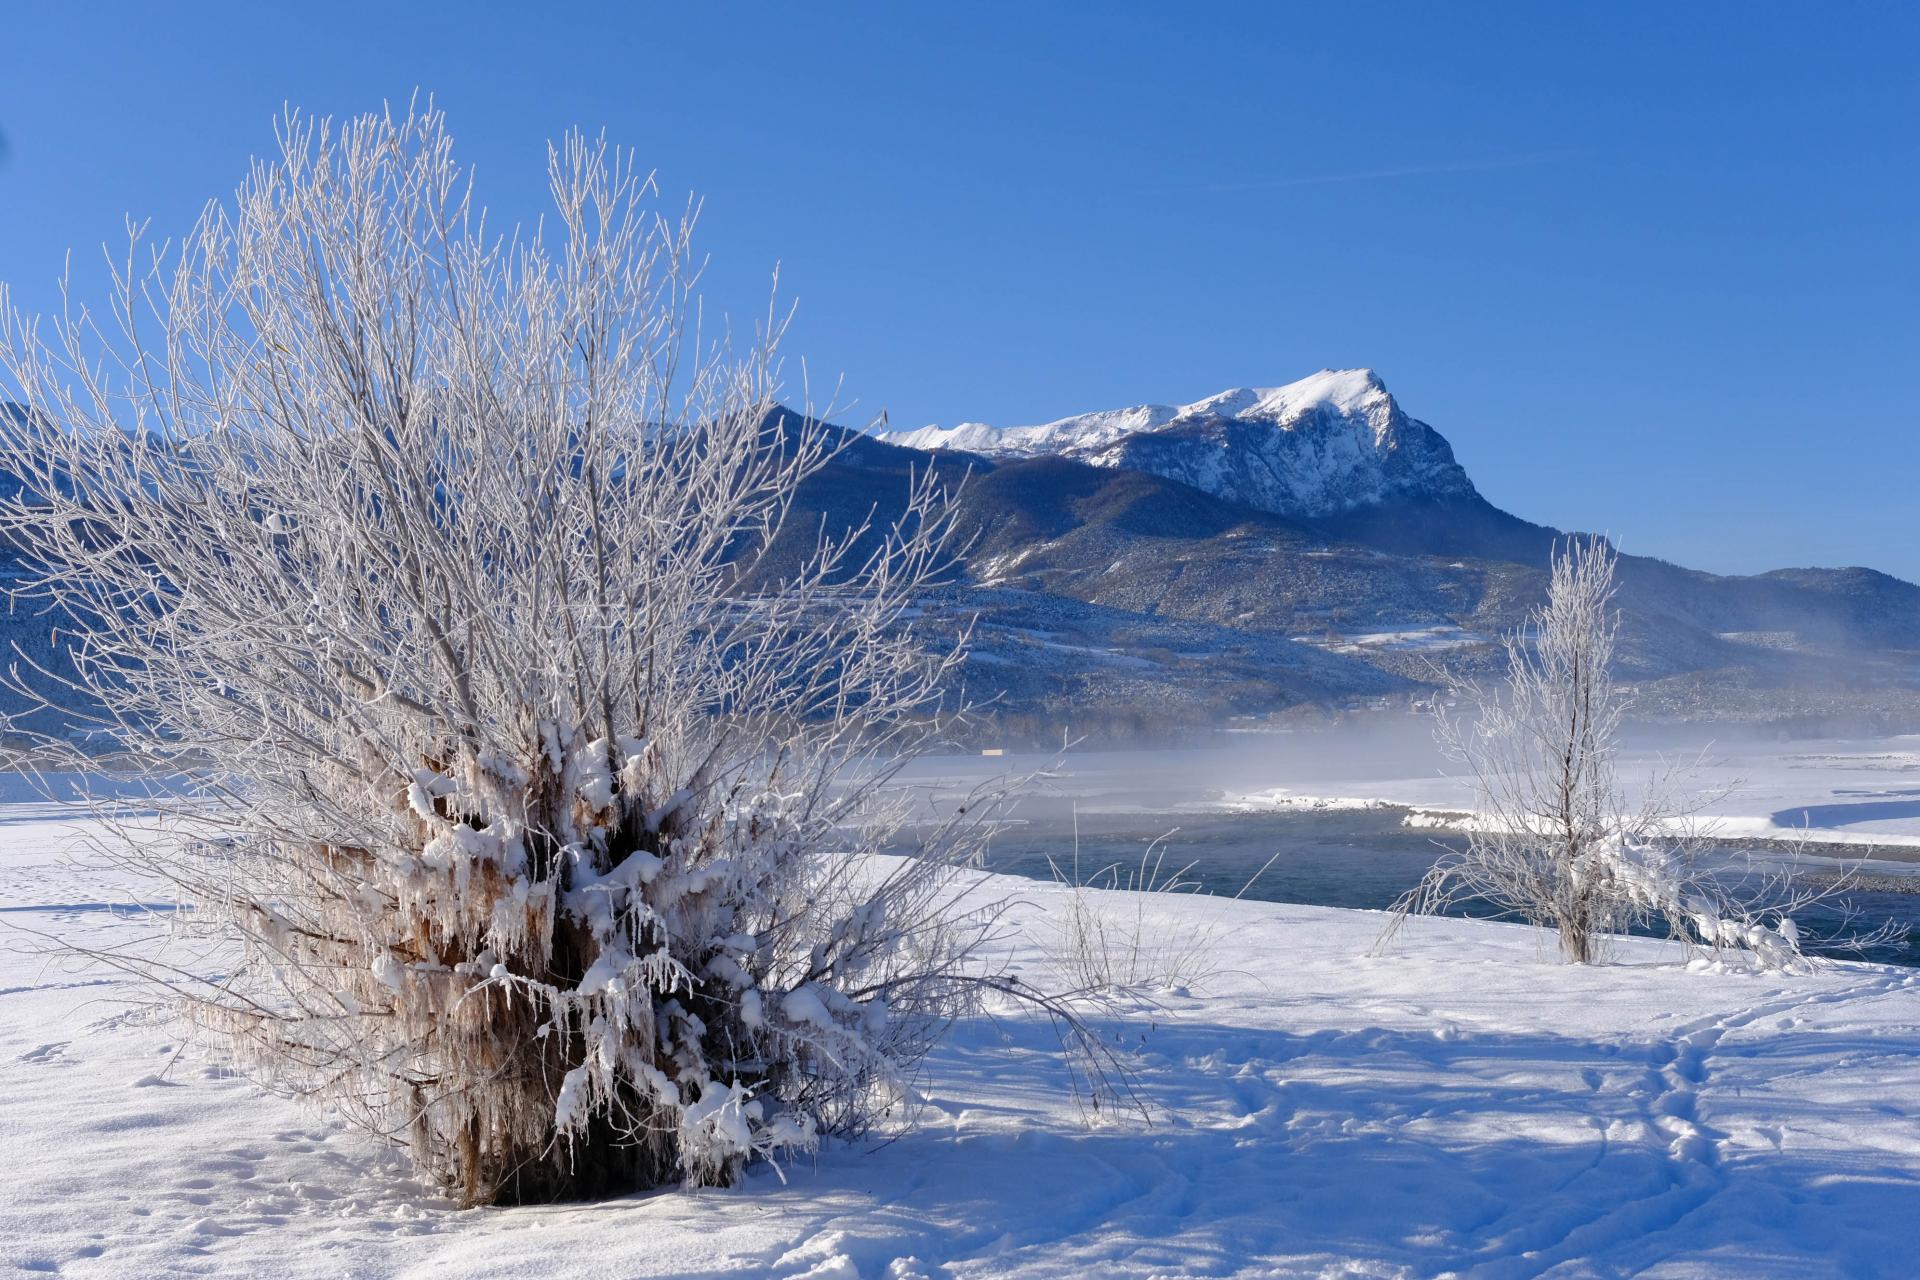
point(527, 814)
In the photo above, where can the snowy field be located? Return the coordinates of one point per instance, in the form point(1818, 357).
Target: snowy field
point(1463, 1105)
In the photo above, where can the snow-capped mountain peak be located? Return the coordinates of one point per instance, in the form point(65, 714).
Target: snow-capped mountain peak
point(1327, 443)
point(1349, 392)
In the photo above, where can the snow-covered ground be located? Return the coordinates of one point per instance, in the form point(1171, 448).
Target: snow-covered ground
point(1462, 1105)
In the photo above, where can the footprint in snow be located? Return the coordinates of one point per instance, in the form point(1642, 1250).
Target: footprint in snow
point(46, 1053)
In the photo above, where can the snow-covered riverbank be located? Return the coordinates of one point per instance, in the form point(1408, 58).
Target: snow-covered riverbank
point(1464, 1104)
point(1854, 791)
point(1863, 792)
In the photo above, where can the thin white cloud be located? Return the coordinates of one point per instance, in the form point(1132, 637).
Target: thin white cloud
point(1404, 171)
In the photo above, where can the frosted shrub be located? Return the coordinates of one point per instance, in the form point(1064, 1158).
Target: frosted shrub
point(532, 808)
point(1108, 938)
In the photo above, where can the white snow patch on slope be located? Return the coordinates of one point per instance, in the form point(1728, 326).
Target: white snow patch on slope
point(1347, 391)
point(1068, 435)
point(1437, 638)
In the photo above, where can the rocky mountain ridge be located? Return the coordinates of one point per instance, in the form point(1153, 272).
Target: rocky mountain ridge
point(1321, 515)
point(1327, 444)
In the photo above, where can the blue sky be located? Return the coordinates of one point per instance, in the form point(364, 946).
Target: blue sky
point(1650, 268)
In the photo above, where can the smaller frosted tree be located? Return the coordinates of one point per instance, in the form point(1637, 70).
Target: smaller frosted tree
point(1555, 840)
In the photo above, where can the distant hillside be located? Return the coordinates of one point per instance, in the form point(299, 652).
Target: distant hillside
point(1319, 518)
point(1114, 585)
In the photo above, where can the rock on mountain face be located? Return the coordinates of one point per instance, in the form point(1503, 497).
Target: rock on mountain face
point(1327, 444)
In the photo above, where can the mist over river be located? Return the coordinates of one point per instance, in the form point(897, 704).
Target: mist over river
point(1213, 817)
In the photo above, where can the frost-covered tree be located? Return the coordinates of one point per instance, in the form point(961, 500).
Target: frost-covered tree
point(526, 811)
point(1555, 839)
